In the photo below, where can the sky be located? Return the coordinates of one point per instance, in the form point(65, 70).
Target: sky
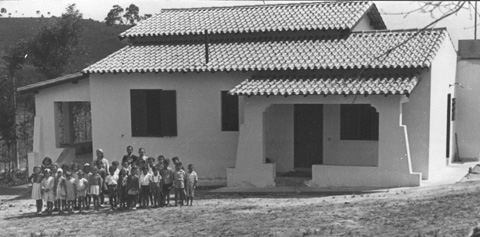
point(459, 26)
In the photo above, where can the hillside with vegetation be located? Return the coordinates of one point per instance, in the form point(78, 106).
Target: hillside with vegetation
point(98, 40)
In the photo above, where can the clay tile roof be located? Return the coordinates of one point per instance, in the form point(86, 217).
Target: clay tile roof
point(340, 84)
point(257, 18)
point(372, 49)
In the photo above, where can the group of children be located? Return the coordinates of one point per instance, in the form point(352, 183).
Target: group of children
point(139, 180)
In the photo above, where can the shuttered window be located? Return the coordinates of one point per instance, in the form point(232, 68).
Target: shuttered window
point(153, 113)
point(358, 122)
point(229, 112)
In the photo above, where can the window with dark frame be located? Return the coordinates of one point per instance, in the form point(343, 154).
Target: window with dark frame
point(153, 113)
point(358, 122)
point(230, 121)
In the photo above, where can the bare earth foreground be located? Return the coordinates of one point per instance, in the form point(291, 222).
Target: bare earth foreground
point(448, 210)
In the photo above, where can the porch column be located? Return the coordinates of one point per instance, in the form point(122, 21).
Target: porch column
point(250, 168)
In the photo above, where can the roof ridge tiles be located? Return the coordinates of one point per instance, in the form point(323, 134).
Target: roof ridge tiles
point(265, 5)
point(400, 30)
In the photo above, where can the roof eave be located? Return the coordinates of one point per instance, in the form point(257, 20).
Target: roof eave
point(35, 87)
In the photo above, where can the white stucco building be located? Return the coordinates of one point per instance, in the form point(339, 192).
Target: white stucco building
point(248, 93)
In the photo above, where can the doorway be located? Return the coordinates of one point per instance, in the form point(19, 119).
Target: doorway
point(308, 135)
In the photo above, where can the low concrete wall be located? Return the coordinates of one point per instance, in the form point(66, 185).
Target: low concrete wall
point(357, 176)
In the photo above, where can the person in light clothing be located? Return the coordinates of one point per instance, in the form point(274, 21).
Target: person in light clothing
point(191, 184)
point(36, 180)
point(179, 184)
point(82, 186)
point(71, 191)
point(61, 191)
point(96, 182)
point(111, 181)
point(144, 187)
point(48, 184)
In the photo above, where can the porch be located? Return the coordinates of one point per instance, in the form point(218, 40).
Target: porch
point(345, 141)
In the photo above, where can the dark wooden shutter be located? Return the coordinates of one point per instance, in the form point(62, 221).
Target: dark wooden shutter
point(358, 122)
point(229, 112)
point(138, 107)
point(154, 112)
point(168, 113)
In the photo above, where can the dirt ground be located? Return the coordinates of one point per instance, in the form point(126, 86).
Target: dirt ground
point(448, 210)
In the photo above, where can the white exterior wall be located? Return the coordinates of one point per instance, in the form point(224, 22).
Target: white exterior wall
point(200, 140)
point(416, 118)
point(443, 72)
point(344, 152)
point(44, 127)
point(363, 24)
point(279, 136)
point(468, 108)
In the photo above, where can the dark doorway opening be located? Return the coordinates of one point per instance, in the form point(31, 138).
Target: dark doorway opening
point(308, 135)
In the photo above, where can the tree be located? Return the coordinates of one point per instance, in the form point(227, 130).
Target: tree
point(3, 10)
point(114, 16)
point(52, 48)
point(131, 14)
point(12, 62)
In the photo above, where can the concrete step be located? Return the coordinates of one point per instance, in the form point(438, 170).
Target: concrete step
point(291, 181)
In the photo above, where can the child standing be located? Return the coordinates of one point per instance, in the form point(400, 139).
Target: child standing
point(132, 188)
point(81, 190)
point(191, 185)
point(102, 171)
point(121, 185)
point(95, 181)
point(71, 190)
point(36, 179)
point(111, 181)
point(167, 180)
point(144, 187)
point(156, 187)
point(88, 198)
point(48, 184)
point(179, 184)
point(61, 191)
point(74, 170)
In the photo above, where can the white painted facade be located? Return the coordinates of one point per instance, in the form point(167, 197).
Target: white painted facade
point(467, 112)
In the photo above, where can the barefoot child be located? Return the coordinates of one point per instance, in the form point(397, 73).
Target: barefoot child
point(133, 185)
point(191, 185)
point(111, 182)
point(179, 184)
point(156, 187)
point(71, 190)
point(48, 183)
point(81, 190)
point(36, 180)
point(95, 181)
